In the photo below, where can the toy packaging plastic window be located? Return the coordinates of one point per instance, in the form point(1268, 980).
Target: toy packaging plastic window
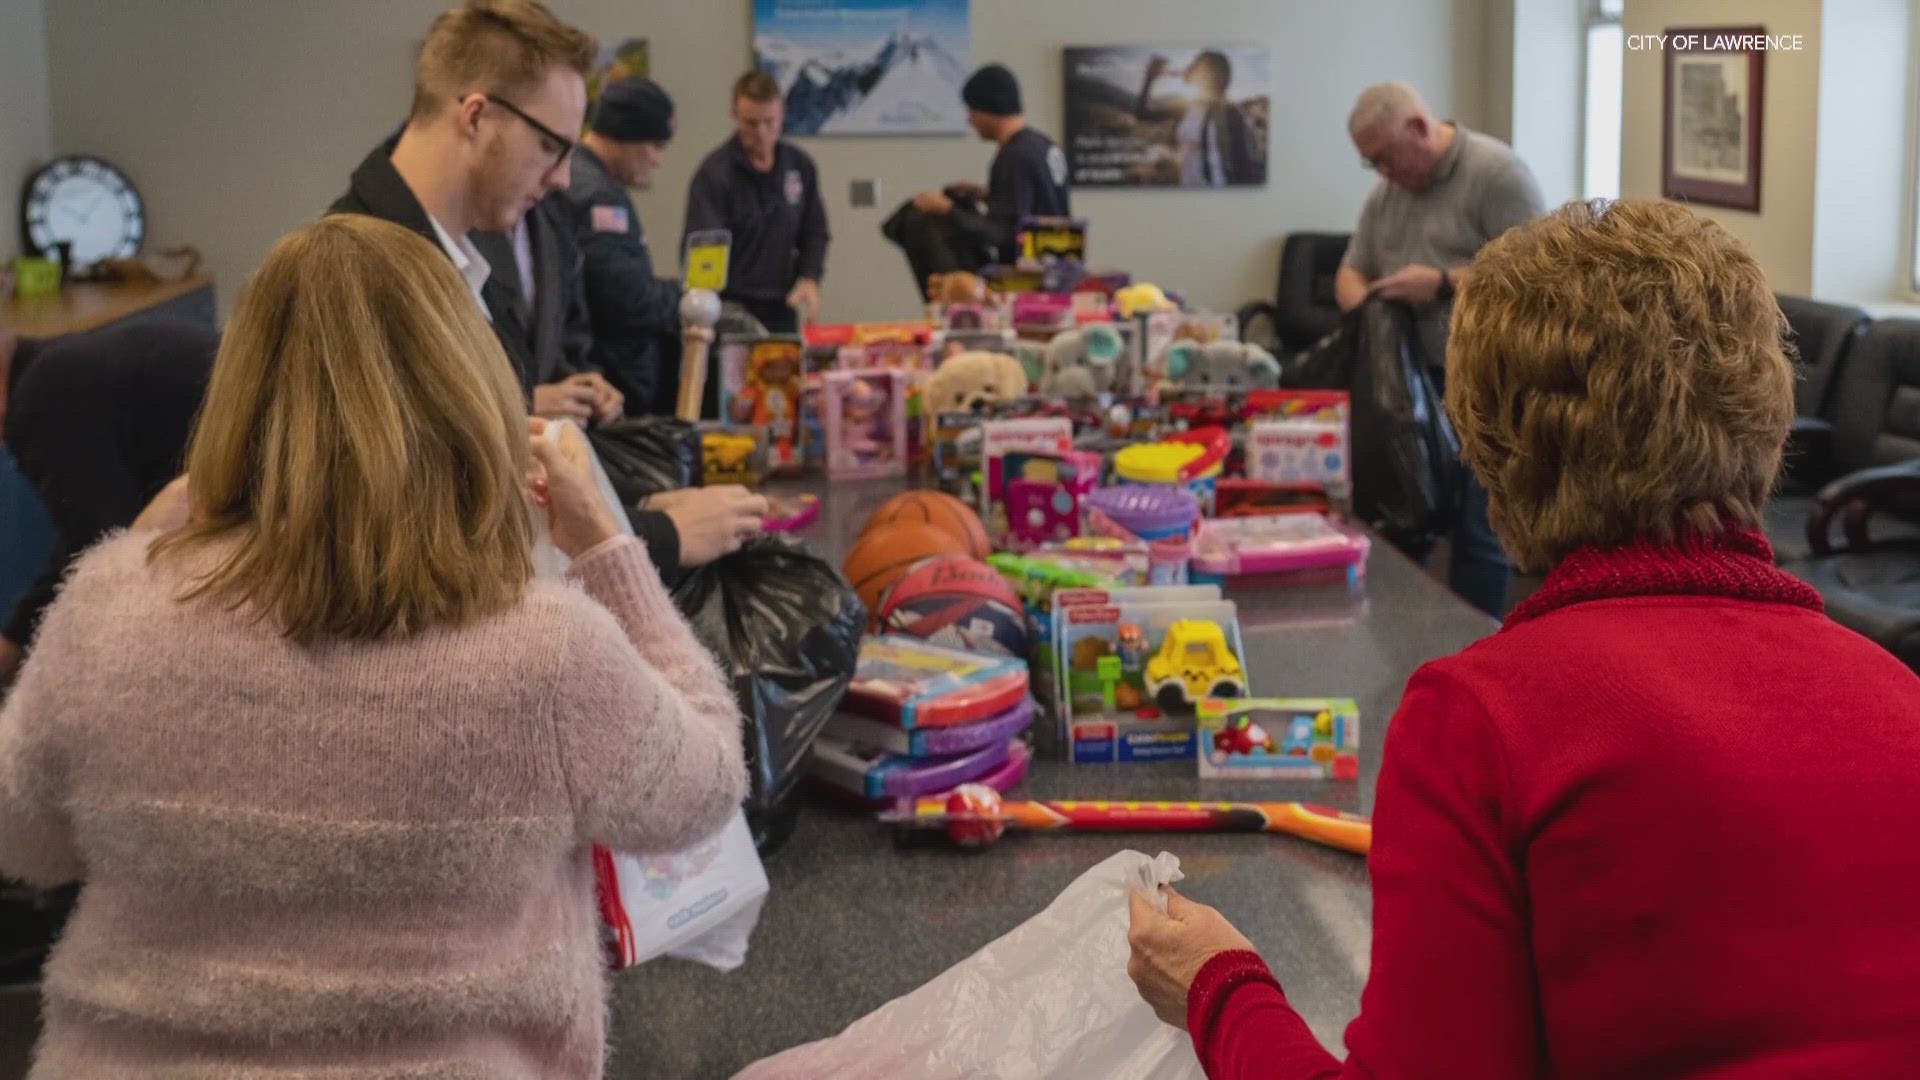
point(908, 683)
point(1132, 674)
point(1280, 739)
point(1277, 544)
point(1309, 449)
point(770, 395)
point(865, 415)
point(1049, 434)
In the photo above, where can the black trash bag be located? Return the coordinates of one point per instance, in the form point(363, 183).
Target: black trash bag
point(645, 455)
point(786, 629)
point(30, 921)
point(1408, 482)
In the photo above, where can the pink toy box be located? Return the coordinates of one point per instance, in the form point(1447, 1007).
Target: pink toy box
point(865, 413)
point(1306, 545)
point(1043, 492)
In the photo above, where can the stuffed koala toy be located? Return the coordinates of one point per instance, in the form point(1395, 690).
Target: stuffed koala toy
point(1226, 366)
point(1082, 363)
point(971, 381)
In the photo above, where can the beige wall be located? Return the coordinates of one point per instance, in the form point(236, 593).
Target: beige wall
point(240, 119)
point(1861, 213)
point(24, 137)
point(1782, 233)
point(1548, 94)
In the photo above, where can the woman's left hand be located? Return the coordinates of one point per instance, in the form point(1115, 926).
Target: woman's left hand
point(1169, 950)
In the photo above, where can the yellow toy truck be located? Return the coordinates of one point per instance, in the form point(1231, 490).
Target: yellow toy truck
point(1192, 664)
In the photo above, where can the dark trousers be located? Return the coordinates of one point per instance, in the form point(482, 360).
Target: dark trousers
point(1478, 569)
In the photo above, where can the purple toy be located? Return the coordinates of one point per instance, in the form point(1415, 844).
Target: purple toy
point(1148, 511)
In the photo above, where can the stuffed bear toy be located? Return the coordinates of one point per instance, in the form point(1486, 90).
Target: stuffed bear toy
point(971, 381)
point(1082, 363)
point(1225, 366)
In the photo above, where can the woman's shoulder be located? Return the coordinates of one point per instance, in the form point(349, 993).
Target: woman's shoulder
point(116, 566)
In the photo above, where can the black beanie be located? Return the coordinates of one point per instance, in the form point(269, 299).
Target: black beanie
point(992, 90)
point(634, 110)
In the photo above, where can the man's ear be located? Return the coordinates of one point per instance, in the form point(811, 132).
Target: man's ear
point(466, 113)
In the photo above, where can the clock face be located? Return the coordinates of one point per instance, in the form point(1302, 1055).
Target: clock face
point(88, 203)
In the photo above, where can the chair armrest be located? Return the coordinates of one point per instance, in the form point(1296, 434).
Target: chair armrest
point(1857, 497)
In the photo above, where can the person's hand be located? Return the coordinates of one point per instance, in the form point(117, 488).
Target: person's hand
point(711, 521)
point(1411, 284)
point(567, 400)
point(578, 517)
point(1169, 950)
point(171, 509)
point(933, 202)
point(965, 189)
point(1156, 67)
point(806, 297)
point(9, 658)
point(608, 403)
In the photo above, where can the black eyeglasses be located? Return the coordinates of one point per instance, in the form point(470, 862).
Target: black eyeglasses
point(551, 136)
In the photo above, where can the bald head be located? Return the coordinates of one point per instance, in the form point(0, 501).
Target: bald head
point(1396, 135)
point(1387, 104)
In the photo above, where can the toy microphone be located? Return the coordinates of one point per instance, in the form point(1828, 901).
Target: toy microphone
point(699, 310)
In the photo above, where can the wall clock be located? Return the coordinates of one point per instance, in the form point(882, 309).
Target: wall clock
point(85, 202)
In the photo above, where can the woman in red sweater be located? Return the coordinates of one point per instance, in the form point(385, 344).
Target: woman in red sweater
point(1661, 825)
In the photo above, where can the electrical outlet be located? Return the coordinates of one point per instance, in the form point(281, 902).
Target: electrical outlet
point(864, 194)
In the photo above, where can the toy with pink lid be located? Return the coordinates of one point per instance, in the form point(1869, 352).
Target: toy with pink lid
point(1277, 544)
point(1160, 518)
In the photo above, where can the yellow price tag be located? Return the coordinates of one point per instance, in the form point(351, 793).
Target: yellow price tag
point(707, 260)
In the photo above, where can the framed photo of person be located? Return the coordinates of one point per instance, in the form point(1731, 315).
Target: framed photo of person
point(1711, 118)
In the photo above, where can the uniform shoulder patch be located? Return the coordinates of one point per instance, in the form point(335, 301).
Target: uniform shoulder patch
point(1057, 165)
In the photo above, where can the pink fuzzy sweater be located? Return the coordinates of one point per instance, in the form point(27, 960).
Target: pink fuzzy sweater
point(357, 859)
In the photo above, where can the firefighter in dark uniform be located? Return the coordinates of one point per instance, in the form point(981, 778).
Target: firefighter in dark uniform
point(947, 230)
point(766, 193)
point(634, 315)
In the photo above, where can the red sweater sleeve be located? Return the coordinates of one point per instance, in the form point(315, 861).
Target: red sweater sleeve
point(1452, 989)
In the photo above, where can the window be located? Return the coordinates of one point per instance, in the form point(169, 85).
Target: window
point(1605, 61)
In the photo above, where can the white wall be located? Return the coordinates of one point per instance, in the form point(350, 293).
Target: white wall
point(1781, 234)
point(241, 119)
point(24, 140)
point(1862, 201)
point(1548, 96)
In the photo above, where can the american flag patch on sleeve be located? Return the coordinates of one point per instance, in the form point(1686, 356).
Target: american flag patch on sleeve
point(610, 219)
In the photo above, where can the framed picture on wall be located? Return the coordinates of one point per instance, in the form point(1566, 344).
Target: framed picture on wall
point(1711, 123)
point(1182, 116)
point(867, 67)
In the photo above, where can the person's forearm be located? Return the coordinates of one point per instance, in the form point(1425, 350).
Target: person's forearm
point(1349, 288)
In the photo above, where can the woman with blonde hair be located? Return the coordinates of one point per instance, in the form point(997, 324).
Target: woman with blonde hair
point(1659, 825)
point(326, 756)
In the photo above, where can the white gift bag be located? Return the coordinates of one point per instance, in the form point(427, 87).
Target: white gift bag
point(1049, 1001)
point(699, 904)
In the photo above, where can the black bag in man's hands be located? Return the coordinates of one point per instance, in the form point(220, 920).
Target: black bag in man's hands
point(646, 455)
point(785, 628)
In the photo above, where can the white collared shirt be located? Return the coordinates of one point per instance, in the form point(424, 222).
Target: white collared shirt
point(467, 259)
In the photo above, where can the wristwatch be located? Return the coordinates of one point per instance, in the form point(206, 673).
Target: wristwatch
point(1445, 292)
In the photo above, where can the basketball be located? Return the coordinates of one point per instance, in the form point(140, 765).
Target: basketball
point(884, 554)
point(941, 511)
point(958, 602)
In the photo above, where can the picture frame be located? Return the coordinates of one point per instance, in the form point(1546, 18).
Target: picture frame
point(1711, 128)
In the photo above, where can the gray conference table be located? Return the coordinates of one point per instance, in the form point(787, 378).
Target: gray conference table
point(856, 919)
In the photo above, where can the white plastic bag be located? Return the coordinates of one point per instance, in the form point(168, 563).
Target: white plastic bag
point(699, 904)
point(1049, 1001)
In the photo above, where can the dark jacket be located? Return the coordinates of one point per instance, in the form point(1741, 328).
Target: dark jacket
point(1229, 124)
point(778, 221)
point(630, 311)
point(99, 424)
point(377, 190)
point(1028, 178)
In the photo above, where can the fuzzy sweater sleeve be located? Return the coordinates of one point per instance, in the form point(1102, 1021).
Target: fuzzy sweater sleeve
point(649, 734)
point(36, 832)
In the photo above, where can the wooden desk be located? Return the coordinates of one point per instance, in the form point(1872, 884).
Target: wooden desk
point(79, 308)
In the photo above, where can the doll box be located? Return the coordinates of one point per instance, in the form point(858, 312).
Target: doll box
point(865, 421)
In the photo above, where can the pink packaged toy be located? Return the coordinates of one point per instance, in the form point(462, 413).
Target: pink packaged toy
point(1276, 544)
point(1043, 493)
point(865, 414)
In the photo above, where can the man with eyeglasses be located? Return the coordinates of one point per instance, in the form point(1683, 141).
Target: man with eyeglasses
point(1444, 193)
point(498, 86)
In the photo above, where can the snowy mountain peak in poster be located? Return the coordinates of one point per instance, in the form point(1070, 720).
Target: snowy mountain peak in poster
point(866, 67)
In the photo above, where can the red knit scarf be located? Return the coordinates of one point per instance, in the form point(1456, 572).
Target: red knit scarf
point(1737, 564)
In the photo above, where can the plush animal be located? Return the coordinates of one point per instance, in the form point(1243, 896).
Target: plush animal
point(958, 287)
point(1226, 366)
point(971, 381)
point(1082, 363)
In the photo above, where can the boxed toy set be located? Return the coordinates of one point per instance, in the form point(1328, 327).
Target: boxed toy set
point(1280, 739)
point(864, 414)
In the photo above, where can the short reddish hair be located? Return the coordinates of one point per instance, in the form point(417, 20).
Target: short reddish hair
point(756, 86)
point(495, 46)
point(1618, 370)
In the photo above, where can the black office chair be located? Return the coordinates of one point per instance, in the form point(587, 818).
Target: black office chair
point(1824, 336)
point(1304, 308)
point(1871, 583)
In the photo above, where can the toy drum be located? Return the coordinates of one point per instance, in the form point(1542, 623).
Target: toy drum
point(1189, 461)
point(1149, 511)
